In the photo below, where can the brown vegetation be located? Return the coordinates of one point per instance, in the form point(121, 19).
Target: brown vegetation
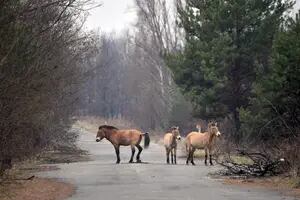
point(281, 184)
point(38, 188)
point(42, 53)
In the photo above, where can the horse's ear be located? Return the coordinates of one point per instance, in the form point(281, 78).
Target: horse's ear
point(209, 124)
point(213, 123)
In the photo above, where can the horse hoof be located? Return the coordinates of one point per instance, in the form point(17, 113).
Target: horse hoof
point(138, 161)
point(118, 162)
point(193, 164)
point(130, 161)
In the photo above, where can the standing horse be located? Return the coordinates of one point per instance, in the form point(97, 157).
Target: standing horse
point(206, 141)
point(170, 143)
point(123, 138)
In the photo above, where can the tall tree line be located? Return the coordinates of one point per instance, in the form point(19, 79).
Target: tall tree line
point(127, 84)
point(42, 51)
point(226, 44)
point(137, 84)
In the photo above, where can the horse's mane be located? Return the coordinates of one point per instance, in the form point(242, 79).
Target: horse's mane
point(108, 127)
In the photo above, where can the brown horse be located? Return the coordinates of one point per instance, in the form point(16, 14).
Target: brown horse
point(170, 143)
point(118, 137)
point(206, 141)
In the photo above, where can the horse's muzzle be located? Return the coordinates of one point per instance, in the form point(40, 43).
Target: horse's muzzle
point(97, 139)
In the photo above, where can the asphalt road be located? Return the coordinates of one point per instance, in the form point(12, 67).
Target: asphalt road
point(101, 178)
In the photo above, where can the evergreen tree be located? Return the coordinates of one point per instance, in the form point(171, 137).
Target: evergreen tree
point(225, 42)
point(275, 108)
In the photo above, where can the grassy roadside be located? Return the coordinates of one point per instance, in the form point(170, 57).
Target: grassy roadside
point(283, 184)
point(20, 182)
point(36, 189)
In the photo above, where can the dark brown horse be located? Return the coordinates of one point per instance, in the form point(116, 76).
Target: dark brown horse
point(118, 137)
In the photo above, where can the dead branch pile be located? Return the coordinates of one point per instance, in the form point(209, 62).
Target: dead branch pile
point(257, 164)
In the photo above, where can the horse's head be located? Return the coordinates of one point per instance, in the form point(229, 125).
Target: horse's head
point(175, 132)
point(100, 134)
point(104, 131)
point(213, 129)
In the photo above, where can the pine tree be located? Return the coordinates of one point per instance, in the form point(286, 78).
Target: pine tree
point(275, 108)
point(225, 42)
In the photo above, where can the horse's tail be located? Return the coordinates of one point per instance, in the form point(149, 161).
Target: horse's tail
point(146, 140)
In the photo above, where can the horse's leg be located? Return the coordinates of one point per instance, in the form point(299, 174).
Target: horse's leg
point(132, 153)
point(192, 156)
point(188, 155)
point(187, 159)
point(205, 161)
point(172, 155)
point(117, 148)
point(210, 159)
point(175, 162)
point(138, 155)
point(168, 155)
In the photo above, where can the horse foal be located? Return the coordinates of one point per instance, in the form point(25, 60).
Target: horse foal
point(170, 143)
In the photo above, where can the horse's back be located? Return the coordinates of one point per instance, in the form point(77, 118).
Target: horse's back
point(188, 137)
point(129, 137)
point(197, 140)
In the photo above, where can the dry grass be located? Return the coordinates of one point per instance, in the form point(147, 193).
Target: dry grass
point(15, 184)
point(38, 188)
point(287, 185)
point(91, 123)
point(241, 160)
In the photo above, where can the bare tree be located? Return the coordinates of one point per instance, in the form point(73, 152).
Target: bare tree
point(42, 50)
point(137, 84)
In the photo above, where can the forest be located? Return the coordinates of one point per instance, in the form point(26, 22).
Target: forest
point(236, 62)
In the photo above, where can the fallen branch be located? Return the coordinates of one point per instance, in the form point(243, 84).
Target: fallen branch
point(261, 164)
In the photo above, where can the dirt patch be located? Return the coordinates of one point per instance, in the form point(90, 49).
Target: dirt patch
point(284, 185)
point(38, 188)
point(20, 182)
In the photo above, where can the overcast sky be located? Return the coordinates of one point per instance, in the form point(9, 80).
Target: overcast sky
point(115, 15)
point(297, 6)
